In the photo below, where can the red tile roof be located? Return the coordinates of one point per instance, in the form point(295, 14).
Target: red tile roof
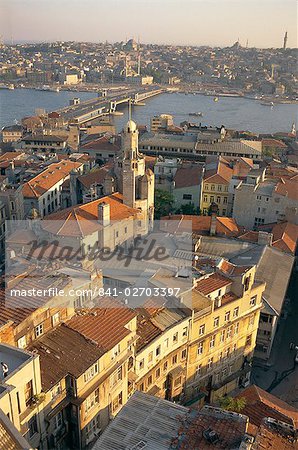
point(44, 181)
point(213, 283)
point(188, 176)
point(82, 220)
point(261, 404)
point(106, 324)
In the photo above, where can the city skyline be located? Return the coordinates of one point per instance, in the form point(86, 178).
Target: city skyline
point(26, 22)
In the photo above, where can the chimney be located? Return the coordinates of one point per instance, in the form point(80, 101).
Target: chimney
point(104, 214)
point(265, 238)
point(213, 225)
point(218, 302)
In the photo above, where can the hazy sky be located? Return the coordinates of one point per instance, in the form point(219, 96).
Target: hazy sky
point(196, 22)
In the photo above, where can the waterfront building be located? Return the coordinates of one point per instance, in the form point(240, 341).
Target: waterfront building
point(43, 143)
point(197, 146)
point(161, 123)
point(12, 133)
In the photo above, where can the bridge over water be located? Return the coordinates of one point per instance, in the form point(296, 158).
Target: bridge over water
point(105, 104)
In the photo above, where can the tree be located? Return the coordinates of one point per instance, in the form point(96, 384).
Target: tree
point(232, 404)
point(163, 203)
point(189, 209)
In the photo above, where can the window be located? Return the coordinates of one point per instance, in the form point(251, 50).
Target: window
point(58, 420)
point(165, 366)
point(91, 373)
point(92, 400)
point(56, 391)
point(222, 336)
point(198, 371)
point(253, 301)
point(183, 354)
point(174, 359)
point(177, 382)
point(227, 352)
point(157, 373)
point(205, 198)
point(116, 376)
point(236, 329)
point(212, 342)
point(141, 364)
point(210, 363)
point(22, 342)
point(125, 230)
point(116, 351)
point(175, 337)
point(150, 357)
point(166, 343)
point(212, 187)
point(32, 426)
point(229, 332)
point(234, 348)
point(248, 340)
point(149, 381)
point(201, 330)
point(117, 402)
point(236, 312)
point(227, 316)
point(217, 199)
point(28, 392)
point(93, 427)
point(39, 330)
point(184, 332)
point(157, 351)
point(251, 320)
point(55, 319)
point(216, 322)
point(200, 348)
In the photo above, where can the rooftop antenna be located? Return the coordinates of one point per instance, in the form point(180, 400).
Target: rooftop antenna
point(247, 43)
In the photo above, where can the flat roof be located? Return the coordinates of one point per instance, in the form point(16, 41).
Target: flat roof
point(14, 358)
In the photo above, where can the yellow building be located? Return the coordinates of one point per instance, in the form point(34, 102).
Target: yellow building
point(215, 187)
point(226, 310)
point(87, 367)
point(161, 351)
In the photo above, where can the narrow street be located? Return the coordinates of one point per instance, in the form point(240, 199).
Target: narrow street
point(280, 376)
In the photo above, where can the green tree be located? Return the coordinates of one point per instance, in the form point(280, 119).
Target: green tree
point(163, 203)
point(189, 209)
point(232, 404)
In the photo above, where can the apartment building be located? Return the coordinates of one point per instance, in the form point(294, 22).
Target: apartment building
point(215, 186)
point(44, 143)
point(94, 375)
point(161, 350)
point(224, 330)
point(21, 396)
point(12, 133)
point(42, 193)
point(263, 200)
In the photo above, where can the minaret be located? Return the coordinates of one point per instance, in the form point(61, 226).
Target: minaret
point(285, 40)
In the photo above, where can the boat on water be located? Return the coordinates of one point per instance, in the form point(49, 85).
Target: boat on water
point(271, 104)
point(6, 86)
point(196, 114)
point(48, 88)
point(116, 113)
point(215, 99)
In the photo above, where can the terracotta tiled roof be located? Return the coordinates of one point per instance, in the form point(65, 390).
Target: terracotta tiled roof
point(188, 176)
point(82, 220)
point(213, 283)
point(285, 236)
point(105, 142)
point(261, 404)
point(11, 156)
point(105, 324)
point(268, 438)
point(221, 173)
point(273, 143)
point(64, 351)
point(96, 176)
point(54, 173)
point(288, 188)
point(200, 224)
point(233, 270)
point(146, 330)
